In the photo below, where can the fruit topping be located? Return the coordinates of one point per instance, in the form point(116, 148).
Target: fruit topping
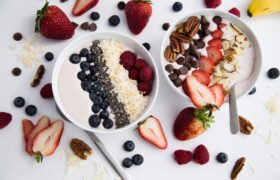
point(150, 129)
point(127, 163)
point(17, 36)
point(222, 157)
point(129, 146)
point(147, 46)
point(177, 6)
point(84, 52)
point(218, 91)
point(253, 91)
point(121, 5)
point(46, 91)
point(81, 6)
point(146, 74)
point(104, 114)
point(80, 148)
point(217, 34)
point(108, 123)
point(273, 73)
point(94, 121)
point(49, 56)
point(206, 65)
point(19, 102)
point(114, 20)
point(201, 155)
point(214, 54)
point(27, 127)
point(215, 43)
point(5, 119)
point(235, 11)
point(212, 3)
point(144, 87)
point(133, 74)
point(30, 110)
point(38, 76)
point(140, 63)
point(202, 76)
point(127, 59)
point(95, 16)
point(16, 71)
point(75, 58)
point(221, 25)
point(182, 156)
point(137, 159)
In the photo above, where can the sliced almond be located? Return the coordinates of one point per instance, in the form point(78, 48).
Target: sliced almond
point(228, 67)
point(225, 44)
point(240, 38)
point(236, 29)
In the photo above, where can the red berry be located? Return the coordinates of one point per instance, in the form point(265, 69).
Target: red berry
point(5, 119)
point(221, 26)
point(127, 59)
point(146, 74)
point(235, 11)
point(133, 74)
point(182, 156)
point(139, 64)
point(46, 91)
point(201, 154)
point(145, 88)
point(212, 3)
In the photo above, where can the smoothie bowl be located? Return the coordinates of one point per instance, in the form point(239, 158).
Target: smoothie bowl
point(105, 82)
point(216, 48)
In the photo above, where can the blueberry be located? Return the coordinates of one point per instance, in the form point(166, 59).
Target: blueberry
point(30, 110)
point(93, 69)
point(95, 108)
point(103, 95)
point(107, 123)
point(114, 20)
point(104, 105)
point(19, 102)
point(91, 58)
point(86, 85)
point(177, 6)
point(97, 100)
point(94, 121)
point(92, 77)
point(49, 56)
point(96, 88)
point(147, 46)
point(137, 159)
point(273, 73)
point(75, 58)
point(94, 16)
point(83, 52)
point(129, 146)
point(253, 91)
point(222, 157)
point(92, 95)
point(104, 114)
point(127, 163)
point(121, 5)
point(84, 66)
point(81, 75)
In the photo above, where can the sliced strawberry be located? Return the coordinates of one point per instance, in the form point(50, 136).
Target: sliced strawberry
point(43, 123)
point(221, 26)
point(218, 90)
point(202, 76)
point(185, 87)
point(215, 43)
point(206, 65)
point(214, 54)
point(199, 93)
point(27, 127)
point(151, 130)
point(48, 139)
point(81, 6)
point(217, 34)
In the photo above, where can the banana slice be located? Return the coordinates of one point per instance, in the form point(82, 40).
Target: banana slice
point(236, 29)
point(229, 67)
point(225, 44)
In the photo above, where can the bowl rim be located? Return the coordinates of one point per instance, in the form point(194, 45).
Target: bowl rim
point(221, 13)
point(56, 71)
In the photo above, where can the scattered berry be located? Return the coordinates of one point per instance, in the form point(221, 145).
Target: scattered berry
point(165, 26)
point(30, 110)
point(127, 59)
point(49, 56)
point(235, 11)
point(253, 91)
point(108, 123)
point(145, 88)
point(182, 156)
point(75, 58)
point(212, 3)
point(121, 5)
point(17, 36)
point(5, 119)
point(94, 121)
point(137, 159)
point(19, 102)
point(104, 114)
point(147, 46)
point(114, 20)
point(140, 63)
point(84, 52)
point(133, 74)
point(201, 155)
point(129, 146)
point(177, 6)
point(46, 91)
point(127, 163)
point(16, 71)
point(273, 73)
point(222, 157)
point(94, 16)
point(146, 74)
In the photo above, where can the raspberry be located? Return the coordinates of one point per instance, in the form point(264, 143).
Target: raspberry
point(127, 59)
point(235, 11)
point(5, 119)
point(221, 26)
point(133, 74)
point(182, 156)
point(146, 74)
point(201, 155)
point(46, 91)
point(212, 3)
point(139, 64)
point(145, 88)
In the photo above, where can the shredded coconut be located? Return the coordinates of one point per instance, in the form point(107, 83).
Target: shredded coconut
point(272, 104)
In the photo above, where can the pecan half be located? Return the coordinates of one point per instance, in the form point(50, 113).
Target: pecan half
point(239, 164)
point(176, 45)
point(169, 55)
point(192, 26)
point(38, 76)
point(246, 126)
point(180, 28)
point(181, 37)
point(80, 148)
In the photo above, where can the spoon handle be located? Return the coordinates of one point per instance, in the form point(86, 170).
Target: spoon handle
point(234, 121)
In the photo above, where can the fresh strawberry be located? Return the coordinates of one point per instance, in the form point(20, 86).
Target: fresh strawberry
point(43, 123)
point(146, 74)
point(185, 87)
point(214, 54)
point(127, 59)
point(202, 76)
point(52, 23)
point(218, 90)
point(81, 6)
point(138, 13)
point(206, 65)
point(5, 119)
point(145, 88)
point(182, 156)
point(201, 155)
point(133, 74)
point(199, 93)
point(150, 129)
point(221, 25)
point(217, 34)
point(235, 11)
point(212, 3)
point(27, 127)
point(46, 91)
point(140, 63)
point(215, 43)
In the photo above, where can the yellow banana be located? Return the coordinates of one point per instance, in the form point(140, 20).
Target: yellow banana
point(262, 7)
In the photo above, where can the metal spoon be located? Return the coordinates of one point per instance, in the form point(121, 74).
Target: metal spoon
point(233, 112)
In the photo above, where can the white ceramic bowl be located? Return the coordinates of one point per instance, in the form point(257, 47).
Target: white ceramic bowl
point(245, 86)
point(76, 45)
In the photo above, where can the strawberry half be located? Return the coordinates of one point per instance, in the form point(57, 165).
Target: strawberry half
point(206, 65)
point(218, 90)
point(43, 123)
point(46, 141)
point(202, 76)
point(150, 129)
point(215, 43)
point(81, 6)
point(217, 34)
point(199, 93)
point(27, 127)
point(214, 54)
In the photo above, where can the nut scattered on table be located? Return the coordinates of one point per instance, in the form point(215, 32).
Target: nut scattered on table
point(80, 148)
point(239, 164)
point(38, 76)
point(246, 126)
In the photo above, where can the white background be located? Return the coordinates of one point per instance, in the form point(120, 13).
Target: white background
point(262, 157)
